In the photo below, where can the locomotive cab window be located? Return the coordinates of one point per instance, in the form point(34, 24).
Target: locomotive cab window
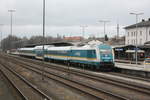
point(106, 51)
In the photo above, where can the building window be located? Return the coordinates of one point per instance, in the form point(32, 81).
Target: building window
point(140, 41)
point(128, 41)
point(149, 32)
point(128, 34)
point(132, 33)
point(132, 41)
point(141, 33)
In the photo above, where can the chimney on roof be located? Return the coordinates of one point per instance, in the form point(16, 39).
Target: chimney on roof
point(149, 19)
point(143, 20)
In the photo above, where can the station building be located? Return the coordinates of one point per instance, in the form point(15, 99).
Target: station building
point(127, 50)
point(143, 33)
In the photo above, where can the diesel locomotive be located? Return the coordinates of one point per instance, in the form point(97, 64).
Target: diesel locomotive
point(99, 57)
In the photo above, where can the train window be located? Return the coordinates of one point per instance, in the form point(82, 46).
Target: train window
point(93, 52)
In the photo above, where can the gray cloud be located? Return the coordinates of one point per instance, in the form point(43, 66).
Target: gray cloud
point(65, 16)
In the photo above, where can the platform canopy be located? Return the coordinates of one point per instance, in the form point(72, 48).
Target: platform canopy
point(132, 51)
point(53, 43)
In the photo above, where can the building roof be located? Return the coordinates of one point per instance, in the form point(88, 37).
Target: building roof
point(53, 43)
point(143, 23)
point(73, 38)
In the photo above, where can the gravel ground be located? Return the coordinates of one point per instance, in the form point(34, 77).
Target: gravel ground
point(122, 91)
point(6, 90)
point(61, 91)
point(112, 88)
point(54, 89)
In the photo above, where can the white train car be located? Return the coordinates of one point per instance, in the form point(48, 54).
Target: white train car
point(29, 52)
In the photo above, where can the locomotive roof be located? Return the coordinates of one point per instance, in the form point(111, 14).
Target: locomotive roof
point(85, 47)
point(45, 46)
point(60, 48)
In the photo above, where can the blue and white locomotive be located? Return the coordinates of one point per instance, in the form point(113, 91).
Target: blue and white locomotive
point(94, 56)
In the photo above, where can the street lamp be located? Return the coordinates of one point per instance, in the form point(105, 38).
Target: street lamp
point(118, 30)
point(43, 35)
point(104, 21)
point(136, 14)
point(83, 29)
point(11, 17)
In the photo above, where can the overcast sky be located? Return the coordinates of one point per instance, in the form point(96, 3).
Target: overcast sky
point(65, 17)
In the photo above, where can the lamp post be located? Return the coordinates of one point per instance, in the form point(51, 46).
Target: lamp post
point(118, 30)
point(104, 21)
point(11, 20)
point(136, 15)
point(83, 29)
point(43, 35)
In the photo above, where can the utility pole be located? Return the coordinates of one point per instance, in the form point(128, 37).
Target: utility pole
point(11, 26)
point(83, 30)
point(136, 51)
point(43, 36)
point(104, 22)
point(1, 25)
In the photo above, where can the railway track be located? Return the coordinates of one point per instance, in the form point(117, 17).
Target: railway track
point(137, 88)
point(20, 94)
point(98, 93)
point(27, 90)
point(91, 75)
point(66, 67)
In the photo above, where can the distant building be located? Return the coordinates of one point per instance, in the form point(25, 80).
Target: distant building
point(74, 38)
point(143, 33)
point(116, 41)
point(94, 42)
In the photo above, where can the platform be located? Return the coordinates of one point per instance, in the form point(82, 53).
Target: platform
point(133, 66)
point(128, 61)
point(140, 70)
